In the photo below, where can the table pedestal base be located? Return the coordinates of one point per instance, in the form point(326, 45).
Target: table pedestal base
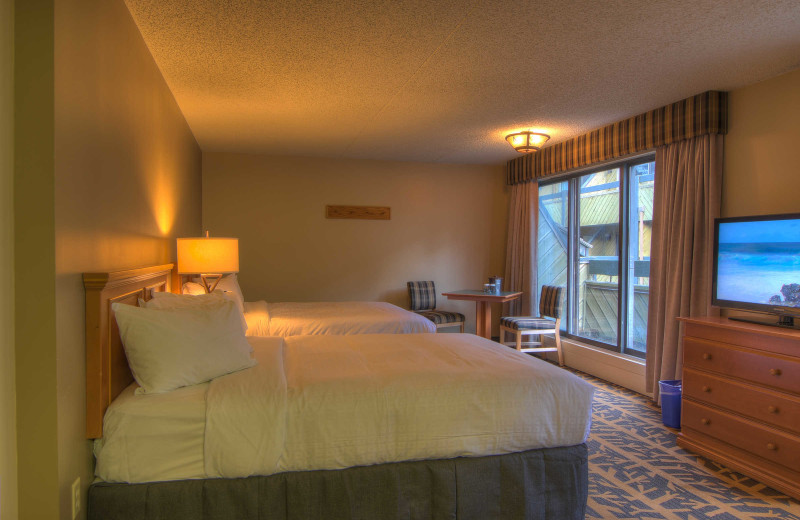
point(483, 319)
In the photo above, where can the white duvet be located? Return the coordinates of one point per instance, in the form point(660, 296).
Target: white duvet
point(328, 402)
point(338, 318)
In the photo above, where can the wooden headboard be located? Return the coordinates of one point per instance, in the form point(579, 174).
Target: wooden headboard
point(107, 372)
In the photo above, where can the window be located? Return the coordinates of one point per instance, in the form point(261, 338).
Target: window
point(594, 240)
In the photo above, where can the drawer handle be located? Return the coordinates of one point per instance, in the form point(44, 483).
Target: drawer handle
point(707, 356)
point(772, 409)
point(705, 421)
point(771, 447)
point(775, 371)
point(706, 389)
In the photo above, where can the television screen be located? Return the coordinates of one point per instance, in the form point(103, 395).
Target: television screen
point(757, 262)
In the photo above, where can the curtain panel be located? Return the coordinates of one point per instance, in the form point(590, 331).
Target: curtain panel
point(687, 196)
point(703, 114)
point(521, 250)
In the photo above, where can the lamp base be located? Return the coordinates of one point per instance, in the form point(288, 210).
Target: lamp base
point(205, 279)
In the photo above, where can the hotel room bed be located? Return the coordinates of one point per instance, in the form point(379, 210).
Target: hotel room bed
point(366, 426)
point(339, 318)
point(305, 318)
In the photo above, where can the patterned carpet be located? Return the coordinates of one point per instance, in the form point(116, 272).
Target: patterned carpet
point(636, 471)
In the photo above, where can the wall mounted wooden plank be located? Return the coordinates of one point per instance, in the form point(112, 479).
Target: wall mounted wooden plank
point(359, 212)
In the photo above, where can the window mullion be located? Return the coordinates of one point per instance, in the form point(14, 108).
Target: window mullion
point(574, 250)
point(622, 252)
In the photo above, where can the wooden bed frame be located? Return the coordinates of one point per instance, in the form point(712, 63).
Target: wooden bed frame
point(107, 372)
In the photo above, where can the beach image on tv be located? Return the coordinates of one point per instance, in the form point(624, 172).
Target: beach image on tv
point(759, 262)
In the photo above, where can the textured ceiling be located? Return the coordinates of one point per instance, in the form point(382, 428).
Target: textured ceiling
point(446, 80)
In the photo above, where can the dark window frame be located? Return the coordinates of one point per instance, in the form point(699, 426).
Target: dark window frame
point(570, 320)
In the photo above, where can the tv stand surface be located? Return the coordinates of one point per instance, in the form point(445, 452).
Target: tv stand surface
point(741, 398)
point(786, 322)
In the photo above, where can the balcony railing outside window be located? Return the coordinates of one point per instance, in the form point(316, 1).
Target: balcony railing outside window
point(594, 240)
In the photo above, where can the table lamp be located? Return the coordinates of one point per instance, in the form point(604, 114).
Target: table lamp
point(208, 257)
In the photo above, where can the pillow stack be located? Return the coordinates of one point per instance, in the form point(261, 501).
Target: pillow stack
point(173, 341)
point(228, 285)
point(167, 300)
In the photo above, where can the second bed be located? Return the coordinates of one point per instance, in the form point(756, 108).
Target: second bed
point(331, 318)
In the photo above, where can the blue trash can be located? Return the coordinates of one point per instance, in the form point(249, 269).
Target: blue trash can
point(671, 402)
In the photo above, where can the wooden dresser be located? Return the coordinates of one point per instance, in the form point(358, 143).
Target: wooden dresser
point(741, 398)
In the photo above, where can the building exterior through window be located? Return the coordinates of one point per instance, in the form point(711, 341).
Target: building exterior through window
point(594, 240)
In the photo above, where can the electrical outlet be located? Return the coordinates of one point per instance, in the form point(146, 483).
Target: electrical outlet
point(76, 497)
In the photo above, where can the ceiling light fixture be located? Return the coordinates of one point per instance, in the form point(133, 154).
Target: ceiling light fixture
point(525, 142)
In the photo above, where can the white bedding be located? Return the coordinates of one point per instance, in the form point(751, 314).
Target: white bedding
point(339, 318)
point(246, 416)
point(153, 437)
point(386, 398)
point(327, 402)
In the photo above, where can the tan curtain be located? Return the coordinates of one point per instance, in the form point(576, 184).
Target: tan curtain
point(687, 194)
point(520, 273)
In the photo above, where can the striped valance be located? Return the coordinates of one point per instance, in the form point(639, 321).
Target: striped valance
point(705, 113)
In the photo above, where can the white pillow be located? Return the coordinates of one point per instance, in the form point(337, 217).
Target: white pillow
point(230, 285)
point(167, 300)
point(168, 349)
point(193, 288)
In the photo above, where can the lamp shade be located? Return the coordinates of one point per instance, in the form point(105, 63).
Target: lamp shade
point(206, 255)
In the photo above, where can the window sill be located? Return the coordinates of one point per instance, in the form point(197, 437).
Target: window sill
point(627, 371)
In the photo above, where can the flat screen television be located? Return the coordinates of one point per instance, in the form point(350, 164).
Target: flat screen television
point(757, 266)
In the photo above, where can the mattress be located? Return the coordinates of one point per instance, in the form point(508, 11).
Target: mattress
point(336, 318)
point(332, 402)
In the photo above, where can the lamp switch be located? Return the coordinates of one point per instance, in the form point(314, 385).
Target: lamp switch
point(76, 497)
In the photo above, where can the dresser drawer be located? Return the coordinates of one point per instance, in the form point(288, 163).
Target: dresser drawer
point(761, 404)
point(773, 370)
point(776, 446)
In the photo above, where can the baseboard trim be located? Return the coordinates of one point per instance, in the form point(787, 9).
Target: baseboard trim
point(626, 371)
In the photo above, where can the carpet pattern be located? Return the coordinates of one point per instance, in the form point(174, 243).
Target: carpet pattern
point(637, 471)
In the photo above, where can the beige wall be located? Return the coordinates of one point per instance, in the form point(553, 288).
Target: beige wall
point(107, 175)
point(8, 409)
point(448, 225)
point(34, 261)
point(762, 155)
point(127, 181)
point(762, 148)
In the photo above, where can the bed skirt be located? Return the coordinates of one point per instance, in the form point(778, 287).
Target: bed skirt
point(537, 484)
